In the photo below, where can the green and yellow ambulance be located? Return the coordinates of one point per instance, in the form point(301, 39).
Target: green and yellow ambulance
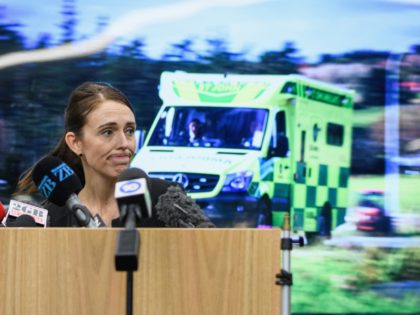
point(268, 144)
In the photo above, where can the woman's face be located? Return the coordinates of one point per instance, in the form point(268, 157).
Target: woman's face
point(107, 142)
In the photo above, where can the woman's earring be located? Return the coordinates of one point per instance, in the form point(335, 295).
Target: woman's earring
point(80, 155)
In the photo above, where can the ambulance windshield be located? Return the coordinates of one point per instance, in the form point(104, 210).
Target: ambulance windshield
point(222, 127)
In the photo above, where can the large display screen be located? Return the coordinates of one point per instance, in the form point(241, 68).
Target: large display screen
point(360, 257)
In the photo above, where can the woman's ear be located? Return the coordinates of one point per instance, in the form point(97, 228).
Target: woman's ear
point(73, 143)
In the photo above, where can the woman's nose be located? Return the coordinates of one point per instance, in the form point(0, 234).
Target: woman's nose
point(122, 140)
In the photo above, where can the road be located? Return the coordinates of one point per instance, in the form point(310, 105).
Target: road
point(372, 241)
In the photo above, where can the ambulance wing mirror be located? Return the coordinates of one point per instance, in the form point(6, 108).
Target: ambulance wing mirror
point(282, 147)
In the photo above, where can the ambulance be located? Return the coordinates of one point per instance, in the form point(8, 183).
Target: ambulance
point(266, 145)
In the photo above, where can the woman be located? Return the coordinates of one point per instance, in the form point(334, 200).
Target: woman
point(98, 144)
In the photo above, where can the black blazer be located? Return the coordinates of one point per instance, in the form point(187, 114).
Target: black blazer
point(62, 217)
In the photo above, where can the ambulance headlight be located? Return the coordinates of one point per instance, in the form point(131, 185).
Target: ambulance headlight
point(237, 181)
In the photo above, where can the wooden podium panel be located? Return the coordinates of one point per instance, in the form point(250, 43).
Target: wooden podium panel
point(181, 271)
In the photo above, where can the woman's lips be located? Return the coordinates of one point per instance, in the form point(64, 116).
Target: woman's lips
point(120, 158)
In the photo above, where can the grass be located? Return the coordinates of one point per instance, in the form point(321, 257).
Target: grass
point(325, 281)
point(332, 280)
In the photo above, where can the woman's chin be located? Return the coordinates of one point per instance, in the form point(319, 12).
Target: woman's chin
point(119, 169)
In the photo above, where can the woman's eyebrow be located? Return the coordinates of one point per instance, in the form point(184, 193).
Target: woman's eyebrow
point(113, 124)
point(108, 124)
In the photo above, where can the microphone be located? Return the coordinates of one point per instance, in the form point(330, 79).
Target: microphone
point(133, 196)
point(2, 211)
point(19, 209)
point(58, 183)
point(176, 209)
point(24, 220)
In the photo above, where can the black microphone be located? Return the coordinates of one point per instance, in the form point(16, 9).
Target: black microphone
point(24, 220)
point(59, 183)
point(176, 209)
point(133, 196)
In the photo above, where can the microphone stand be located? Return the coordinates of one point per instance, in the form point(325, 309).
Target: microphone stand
point(126, 255)
point(284, 278)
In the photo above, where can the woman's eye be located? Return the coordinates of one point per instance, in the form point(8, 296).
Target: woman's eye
point(106, 132)
point(130, 131)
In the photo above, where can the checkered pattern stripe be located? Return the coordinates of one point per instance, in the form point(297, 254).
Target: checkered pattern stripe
point(326, 183)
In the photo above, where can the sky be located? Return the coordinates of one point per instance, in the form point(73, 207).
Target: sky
point(315, 26)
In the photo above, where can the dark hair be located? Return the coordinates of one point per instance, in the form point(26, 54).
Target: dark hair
point(196, 121)
point(199, 126)
point(82, 101)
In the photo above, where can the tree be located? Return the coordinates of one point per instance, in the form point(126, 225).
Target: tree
point(69, 22)
point(10, 41)
point(10, 38)
point(44, 41)
point(282, 61)
point(218, 58)
point(134, 50)
point(181, 51)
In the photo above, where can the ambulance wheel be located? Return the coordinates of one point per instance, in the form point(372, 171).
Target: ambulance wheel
point(264, 215)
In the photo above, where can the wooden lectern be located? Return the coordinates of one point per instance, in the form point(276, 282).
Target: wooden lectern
point(181, 271)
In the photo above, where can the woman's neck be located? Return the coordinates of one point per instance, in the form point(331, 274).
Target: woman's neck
point(98, 196)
